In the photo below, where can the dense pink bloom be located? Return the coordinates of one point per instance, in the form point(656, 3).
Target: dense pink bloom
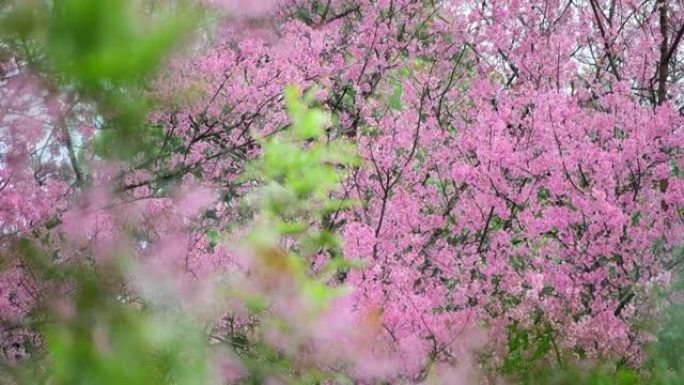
point(520, 165)
point(541, 187)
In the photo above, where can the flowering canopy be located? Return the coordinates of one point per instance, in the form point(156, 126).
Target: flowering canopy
point(520, 167)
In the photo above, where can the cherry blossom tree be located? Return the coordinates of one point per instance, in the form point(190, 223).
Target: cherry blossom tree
point(520, 174)
point(521, 160)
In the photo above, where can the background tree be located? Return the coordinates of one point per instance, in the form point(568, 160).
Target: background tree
point(520, 165)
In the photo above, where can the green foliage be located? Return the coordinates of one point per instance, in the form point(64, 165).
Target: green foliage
point(665, 364)
point(105, 342)
point(103, 51)
point(585, 376)
point(298, 172)
point(528, 350)
point(109, 42)
point(395, 99)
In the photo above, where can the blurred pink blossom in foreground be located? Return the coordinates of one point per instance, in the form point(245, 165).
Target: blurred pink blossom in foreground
point(245, 8)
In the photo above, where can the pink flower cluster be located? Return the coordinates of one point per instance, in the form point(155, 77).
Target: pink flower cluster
point(521, 165)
